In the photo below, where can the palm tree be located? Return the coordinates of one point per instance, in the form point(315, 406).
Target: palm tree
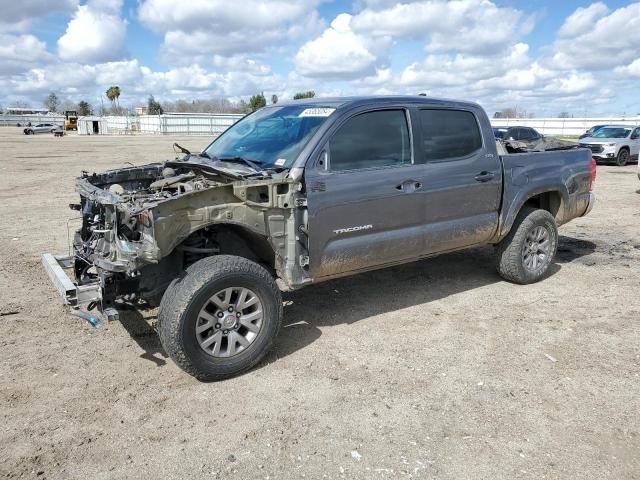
point(116, 93)
point(113, 93)
point(110, 95)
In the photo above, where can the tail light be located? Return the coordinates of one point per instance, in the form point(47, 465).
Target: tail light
point(592, 173)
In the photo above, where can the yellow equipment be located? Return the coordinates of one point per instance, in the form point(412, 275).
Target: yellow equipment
point(71, 120)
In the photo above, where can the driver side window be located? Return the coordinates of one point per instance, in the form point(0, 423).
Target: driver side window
point(370, 140)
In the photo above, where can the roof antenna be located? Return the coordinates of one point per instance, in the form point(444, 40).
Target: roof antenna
point(422, 94)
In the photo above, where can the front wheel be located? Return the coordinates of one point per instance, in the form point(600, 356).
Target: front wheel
point(623, 157)
point(221, 317)
point(525, 255)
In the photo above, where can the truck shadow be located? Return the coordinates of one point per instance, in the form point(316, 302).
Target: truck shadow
point(570, 249)
point(355, 298)
point(144, 335)
point(351, 299)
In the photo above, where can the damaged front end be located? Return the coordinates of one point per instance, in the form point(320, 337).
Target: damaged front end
point(142, 226)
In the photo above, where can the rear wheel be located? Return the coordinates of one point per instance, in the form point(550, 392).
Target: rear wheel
point(221, 317)
point(623, 157)
point(525, 255)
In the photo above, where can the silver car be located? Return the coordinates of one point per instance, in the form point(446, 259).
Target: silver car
point(41, 128)
point(617, 143)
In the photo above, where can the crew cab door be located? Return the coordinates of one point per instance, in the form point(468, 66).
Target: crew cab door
point(463, 179)
point(365, 195)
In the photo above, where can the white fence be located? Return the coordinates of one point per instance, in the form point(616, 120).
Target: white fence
point(213, 124)
point(564, 126)
point(22, 120)
point(166, 124)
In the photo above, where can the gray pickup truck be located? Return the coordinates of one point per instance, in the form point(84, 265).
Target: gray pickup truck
point(302, 192)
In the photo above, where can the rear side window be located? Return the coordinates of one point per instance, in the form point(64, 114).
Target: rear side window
point(525, 134)
point(372, 139)
point(449, 134)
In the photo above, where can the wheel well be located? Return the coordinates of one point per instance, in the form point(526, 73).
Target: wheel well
point(625, 147)
point(227, 239)
point(549, 201)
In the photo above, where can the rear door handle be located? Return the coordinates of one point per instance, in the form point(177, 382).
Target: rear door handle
point(484, 176)
point(409, 186)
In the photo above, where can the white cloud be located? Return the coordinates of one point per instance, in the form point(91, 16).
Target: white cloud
point(476, 26)
point(381, 77)
point(463, 69)
point(137, 81)
point(471, 49)
point(196, 30)
point(21, 52)
point(594, 38)
point(338, 52)
point(222, 15)
point(631, 70)
point(582, 20)
point(18, 15)
point(96, 33)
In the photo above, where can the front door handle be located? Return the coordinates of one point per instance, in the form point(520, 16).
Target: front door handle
point(484, 176)
point(409, 186)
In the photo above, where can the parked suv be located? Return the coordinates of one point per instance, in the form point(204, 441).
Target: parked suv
point(591, 131)
point(618, 143)
point(303, 192)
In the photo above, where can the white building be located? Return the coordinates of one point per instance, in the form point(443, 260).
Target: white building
point(91, 125)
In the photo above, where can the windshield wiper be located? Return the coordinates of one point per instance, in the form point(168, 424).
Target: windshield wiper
point(182, 149)
point(251, 163)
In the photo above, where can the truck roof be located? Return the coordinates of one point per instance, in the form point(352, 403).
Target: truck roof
point(347, 102)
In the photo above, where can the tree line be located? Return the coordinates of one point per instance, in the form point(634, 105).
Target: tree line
point(515, 112)
point(54, 104)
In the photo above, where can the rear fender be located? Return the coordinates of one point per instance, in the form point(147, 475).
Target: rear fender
point(521, 197)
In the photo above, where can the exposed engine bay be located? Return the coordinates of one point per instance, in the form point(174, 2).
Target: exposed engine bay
point(142, 226)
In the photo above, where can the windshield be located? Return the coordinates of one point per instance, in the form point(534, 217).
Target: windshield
point(270, 137)
point(499, 132)
point(612, 132)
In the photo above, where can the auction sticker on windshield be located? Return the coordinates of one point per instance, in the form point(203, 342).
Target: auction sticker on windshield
point(317, 112)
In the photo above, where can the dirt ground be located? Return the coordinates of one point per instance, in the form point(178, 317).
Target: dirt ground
point(437, 369)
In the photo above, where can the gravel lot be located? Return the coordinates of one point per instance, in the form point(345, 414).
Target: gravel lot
point(437, 369)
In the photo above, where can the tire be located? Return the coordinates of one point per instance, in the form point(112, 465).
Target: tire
point(515, 254)
point(29, 132)
point(623, 157)
point(189, 303)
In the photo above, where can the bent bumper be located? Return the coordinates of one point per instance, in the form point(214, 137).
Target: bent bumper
point(72, 294)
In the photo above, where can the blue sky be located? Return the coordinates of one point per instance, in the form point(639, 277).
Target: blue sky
point(540, 57)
